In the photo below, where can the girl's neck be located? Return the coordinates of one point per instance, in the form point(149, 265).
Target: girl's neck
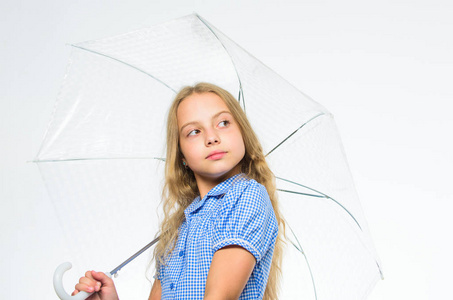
point(205, 184)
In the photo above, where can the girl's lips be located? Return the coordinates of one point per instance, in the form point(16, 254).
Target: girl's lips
point(216, 155)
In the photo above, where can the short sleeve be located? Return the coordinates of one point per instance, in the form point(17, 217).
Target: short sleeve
point(246, 219)
point(159, 271)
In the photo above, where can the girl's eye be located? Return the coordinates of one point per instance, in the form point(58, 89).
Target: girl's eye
point(193, 132)
point(224, 123)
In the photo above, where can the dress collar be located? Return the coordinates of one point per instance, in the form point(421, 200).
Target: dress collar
point(219, 190)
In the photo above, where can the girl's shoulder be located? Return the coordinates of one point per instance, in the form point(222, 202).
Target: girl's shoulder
point(243, 190)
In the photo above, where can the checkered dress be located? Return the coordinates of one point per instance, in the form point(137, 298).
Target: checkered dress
point(236, 212)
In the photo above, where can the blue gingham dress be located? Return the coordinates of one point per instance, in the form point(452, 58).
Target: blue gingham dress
point(235, 212)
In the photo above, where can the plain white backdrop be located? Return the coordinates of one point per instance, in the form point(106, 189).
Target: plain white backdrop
point(383, 68)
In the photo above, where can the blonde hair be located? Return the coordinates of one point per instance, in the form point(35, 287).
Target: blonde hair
point(180, 187)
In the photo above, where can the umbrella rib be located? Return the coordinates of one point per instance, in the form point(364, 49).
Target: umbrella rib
point(95, 158)
point(323, 196)
point(305, 256)
point(125, 63)
point(326, 197)
point(294, 132)
point(300, 193)
point(241, 92)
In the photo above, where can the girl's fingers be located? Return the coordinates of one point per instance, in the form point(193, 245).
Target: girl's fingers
point(88, 284)
point(102, 278)
point(97, 283)
point(88, 274)
point(85, 288)
point(93, 281)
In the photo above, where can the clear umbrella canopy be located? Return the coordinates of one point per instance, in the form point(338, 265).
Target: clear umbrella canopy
point(102, 157)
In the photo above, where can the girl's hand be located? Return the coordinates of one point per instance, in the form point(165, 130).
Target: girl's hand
point(99, 283)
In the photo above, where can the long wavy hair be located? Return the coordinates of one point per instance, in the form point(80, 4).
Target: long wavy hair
point(180, 187)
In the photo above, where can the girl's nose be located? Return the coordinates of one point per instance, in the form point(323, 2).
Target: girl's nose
point(212, 139)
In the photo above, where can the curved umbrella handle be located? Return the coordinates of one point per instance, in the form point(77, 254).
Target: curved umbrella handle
point(58, 284)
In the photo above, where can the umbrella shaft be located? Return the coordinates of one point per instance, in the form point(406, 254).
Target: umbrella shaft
point(114, 271)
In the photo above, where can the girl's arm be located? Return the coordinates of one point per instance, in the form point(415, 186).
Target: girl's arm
point(230, 270)
point(156, 291)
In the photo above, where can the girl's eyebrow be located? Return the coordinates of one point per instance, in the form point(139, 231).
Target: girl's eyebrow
point(213, 117)
point(220, 112)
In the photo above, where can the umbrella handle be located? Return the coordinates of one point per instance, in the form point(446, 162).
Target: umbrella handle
point(58, 284)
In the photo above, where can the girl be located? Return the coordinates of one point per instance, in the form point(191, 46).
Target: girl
point(219, 238)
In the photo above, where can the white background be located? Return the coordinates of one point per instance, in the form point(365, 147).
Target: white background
point(383, 68)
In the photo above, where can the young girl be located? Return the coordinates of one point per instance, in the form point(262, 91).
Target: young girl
point(219, 238)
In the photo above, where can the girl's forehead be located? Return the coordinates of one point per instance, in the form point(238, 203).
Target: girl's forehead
point(198, 106)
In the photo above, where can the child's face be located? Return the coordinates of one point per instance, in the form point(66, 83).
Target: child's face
point(210, 139)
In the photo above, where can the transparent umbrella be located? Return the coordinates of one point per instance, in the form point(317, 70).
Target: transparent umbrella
point(102, 157)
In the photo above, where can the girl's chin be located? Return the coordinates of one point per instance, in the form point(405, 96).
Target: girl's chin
point(218, 175)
